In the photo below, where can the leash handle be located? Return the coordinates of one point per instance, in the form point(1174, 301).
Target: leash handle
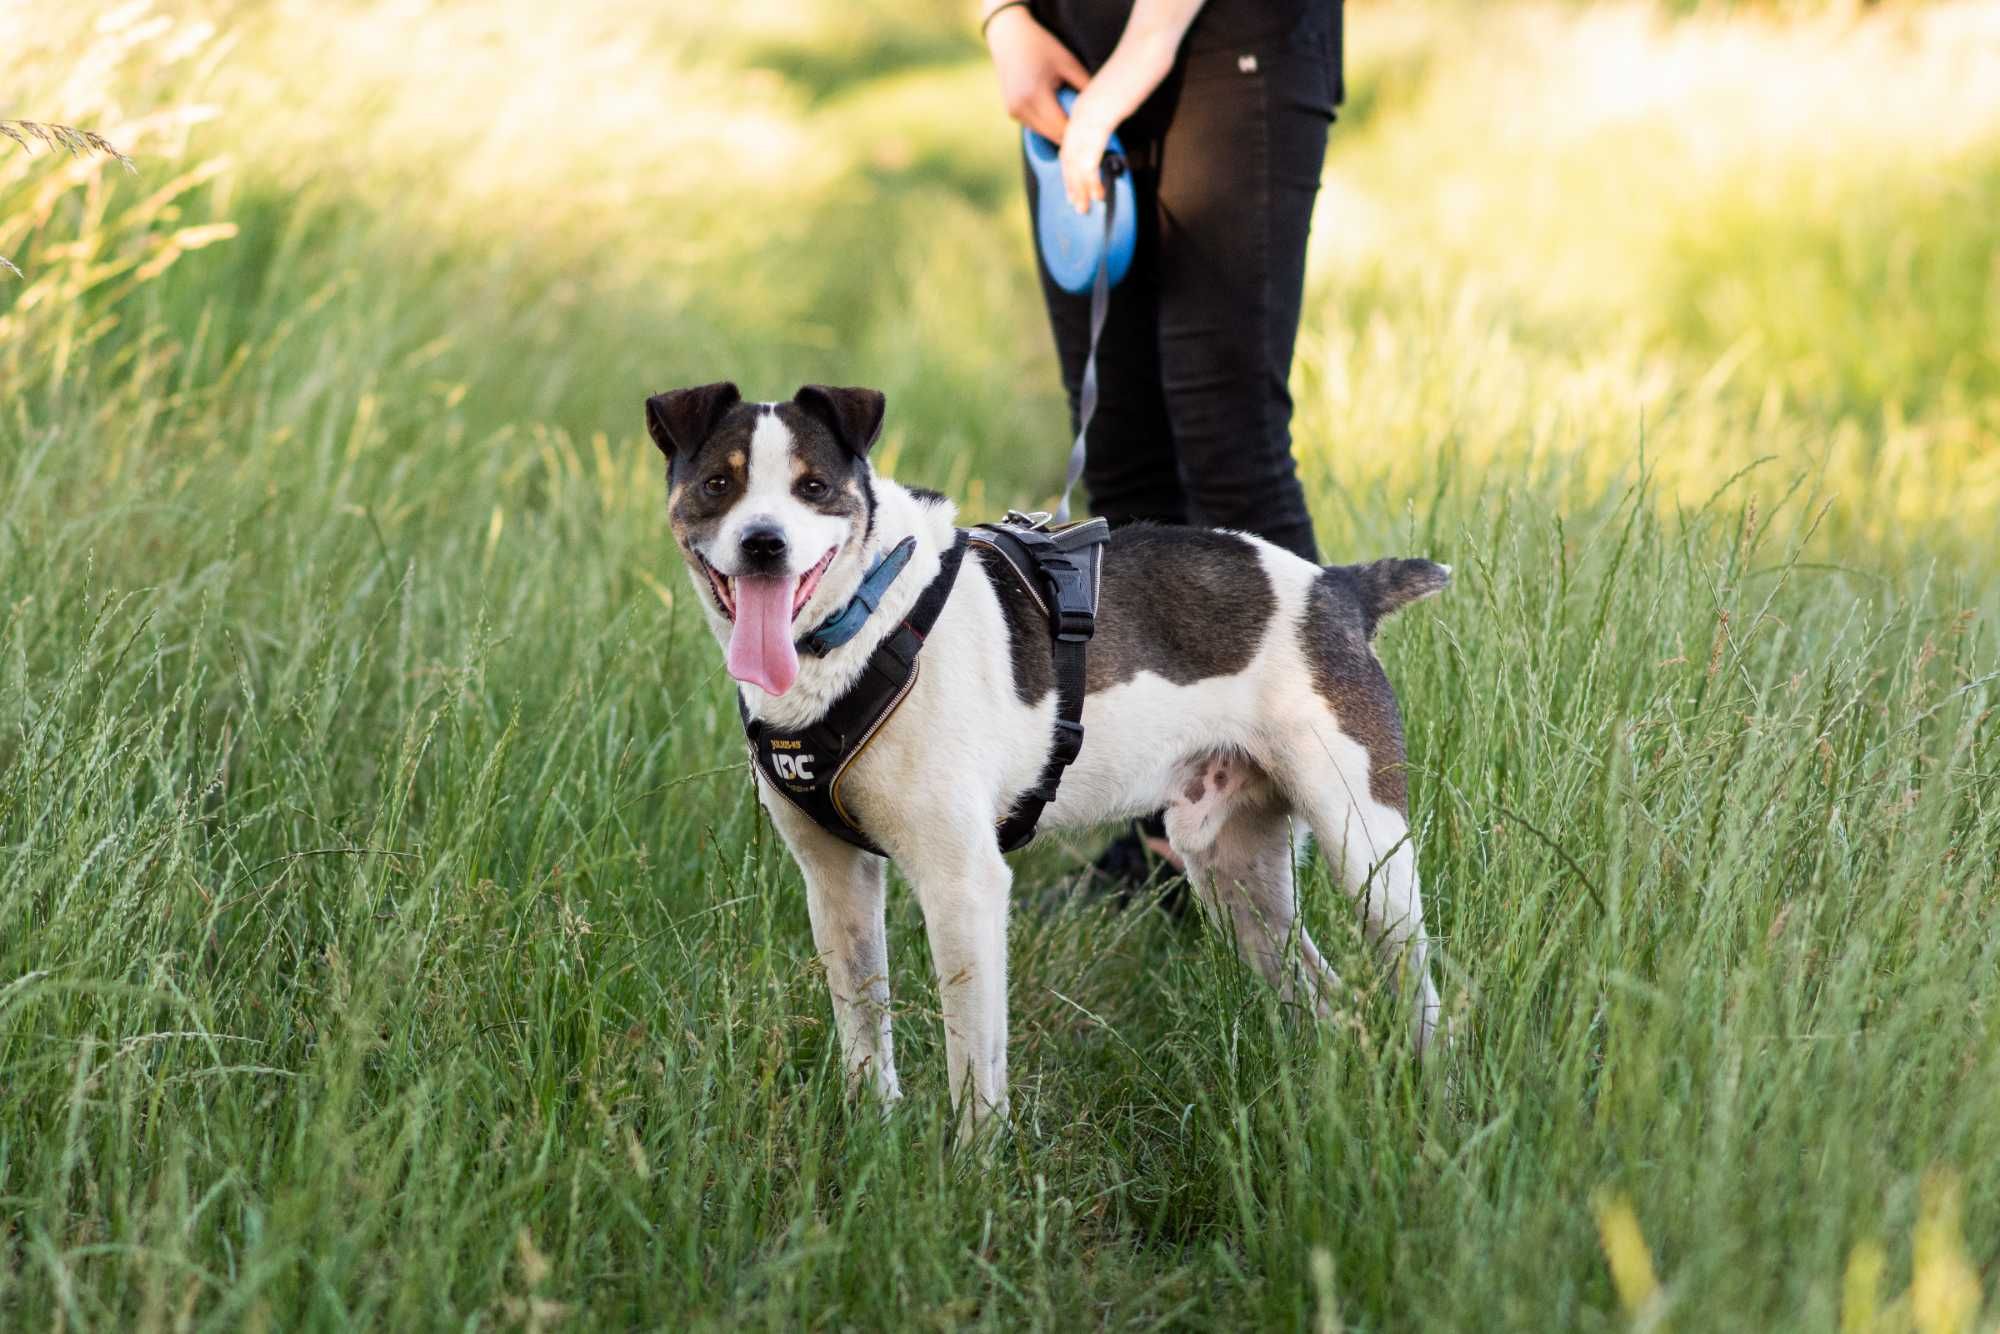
point(1100, 307)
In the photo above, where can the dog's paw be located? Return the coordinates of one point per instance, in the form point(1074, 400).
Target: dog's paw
point(869, 1083)
point(981, 1137)
point(1439, 1051)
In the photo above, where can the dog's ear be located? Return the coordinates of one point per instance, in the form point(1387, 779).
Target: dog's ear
point(853, 415)
point(680, 420)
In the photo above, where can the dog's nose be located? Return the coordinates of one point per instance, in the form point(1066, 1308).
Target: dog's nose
point(765, 542)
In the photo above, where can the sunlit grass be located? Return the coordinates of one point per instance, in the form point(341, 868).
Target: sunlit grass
point(387, 934)
point(1727, 237)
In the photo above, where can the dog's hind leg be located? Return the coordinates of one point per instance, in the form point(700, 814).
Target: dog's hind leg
point(1367, 844)
point(1234, 832)
point(845, 895)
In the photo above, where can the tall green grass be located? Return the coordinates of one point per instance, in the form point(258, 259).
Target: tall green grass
point(388, 935)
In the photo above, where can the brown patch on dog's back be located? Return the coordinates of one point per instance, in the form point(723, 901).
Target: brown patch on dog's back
point(1186, 604)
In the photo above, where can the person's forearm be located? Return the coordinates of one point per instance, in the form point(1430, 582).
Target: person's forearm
point(1155, 30)
point(1144, 55)
point(1145, 51)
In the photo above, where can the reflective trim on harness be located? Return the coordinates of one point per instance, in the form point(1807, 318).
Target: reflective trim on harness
point(833, 789)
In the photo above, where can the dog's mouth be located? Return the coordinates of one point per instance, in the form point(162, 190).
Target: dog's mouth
point(761, 609)
point(723, 586)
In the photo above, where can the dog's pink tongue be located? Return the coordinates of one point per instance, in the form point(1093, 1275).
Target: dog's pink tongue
point(760, 644)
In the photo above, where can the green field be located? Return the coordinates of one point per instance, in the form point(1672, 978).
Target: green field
point(388, 933)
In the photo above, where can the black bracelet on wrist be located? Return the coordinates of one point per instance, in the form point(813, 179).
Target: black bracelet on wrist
point(996, 12)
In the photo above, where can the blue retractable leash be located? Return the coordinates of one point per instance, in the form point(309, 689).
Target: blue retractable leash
point(1083, 252)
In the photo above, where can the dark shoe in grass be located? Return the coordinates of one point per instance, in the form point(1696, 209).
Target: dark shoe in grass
point(1137, 868)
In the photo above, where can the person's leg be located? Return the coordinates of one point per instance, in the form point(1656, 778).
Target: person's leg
point(1239, 171)
point(1129, 467)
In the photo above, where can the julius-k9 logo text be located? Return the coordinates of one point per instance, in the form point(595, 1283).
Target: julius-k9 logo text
point(793, 766)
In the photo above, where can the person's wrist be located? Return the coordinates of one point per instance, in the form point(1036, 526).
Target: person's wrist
point(1139, 69)
point(1092, 114)
point(1088, 123)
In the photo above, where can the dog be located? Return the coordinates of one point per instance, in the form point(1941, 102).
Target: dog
point(1229, 682)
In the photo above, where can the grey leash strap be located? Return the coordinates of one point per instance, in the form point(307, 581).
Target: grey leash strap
point(1100, 306)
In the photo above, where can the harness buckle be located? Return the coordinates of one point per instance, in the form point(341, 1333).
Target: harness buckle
point(1074, 616)
point(1069, 742)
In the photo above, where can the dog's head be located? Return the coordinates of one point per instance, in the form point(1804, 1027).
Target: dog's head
point(771, 505)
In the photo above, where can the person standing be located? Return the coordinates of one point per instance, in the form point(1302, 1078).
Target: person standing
point(1223, 109)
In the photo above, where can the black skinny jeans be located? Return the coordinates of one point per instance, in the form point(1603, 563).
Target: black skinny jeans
point(1194, 414)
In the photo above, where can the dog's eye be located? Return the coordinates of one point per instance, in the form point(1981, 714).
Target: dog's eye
point(812, 488)
point(716, 485)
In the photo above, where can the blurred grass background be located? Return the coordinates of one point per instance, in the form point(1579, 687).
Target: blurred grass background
point(387, 934)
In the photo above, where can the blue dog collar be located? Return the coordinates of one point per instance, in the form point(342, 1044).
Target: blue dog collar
point(846, 623)
point(1072, 242)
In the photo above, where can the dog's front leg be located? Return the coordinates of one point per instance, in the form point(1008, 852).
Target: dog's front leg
point(963, 888)
point(845, 894)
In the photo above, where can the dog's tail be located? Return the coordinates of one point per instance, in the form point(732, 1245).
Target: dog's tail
point(1385, 587)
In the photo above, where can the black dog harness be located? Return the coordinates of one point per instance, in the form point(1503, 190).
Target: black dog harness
point(1060, 569)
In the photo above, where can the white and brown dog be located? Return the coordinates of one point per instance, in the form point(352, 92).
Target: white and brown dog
point(1229, 682)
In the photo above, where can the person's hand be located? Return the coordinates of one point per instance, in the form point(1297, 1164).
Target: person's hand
point(1089, 130)
point(1032, 65)
point(1144, 56)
